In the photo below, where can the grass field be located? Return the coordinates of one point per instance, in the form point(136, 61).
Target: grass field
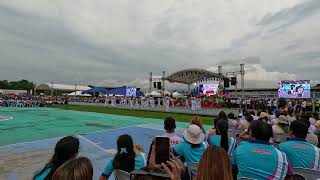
point(138, 113)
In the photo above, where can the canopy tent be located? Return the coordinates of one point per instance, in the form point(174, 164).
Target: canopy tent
point(167, 93)
point(96, 90)
point(123, 91)
point(154, 94)
point(77, 93)
point(176, 94)
point(61, 87)
point(118, 91)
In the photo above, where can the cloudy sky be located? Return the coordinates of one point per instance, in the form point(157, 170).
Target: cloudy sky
point(115, 42)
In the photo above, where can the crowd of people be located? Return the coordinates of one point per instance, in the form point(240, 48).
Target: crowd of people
point(267, 104)
point(246, 146)
point(167, 102)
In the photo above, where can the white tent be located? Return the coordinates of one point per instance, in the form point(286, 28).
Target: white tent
point(176, 94)
point(154, 94)
point(77, 93)
point(167, 93)
point(62, 87)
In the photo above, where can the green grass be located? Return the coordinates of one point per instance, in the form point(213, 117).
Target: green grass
point(138, 113)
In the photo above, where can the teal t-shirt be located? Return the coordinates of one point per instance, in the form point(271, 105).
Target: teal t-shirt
point(190, 154)
point(43, 175)
point(140, 162)
point(301, 154)
point(215, 140)
point(260, 160)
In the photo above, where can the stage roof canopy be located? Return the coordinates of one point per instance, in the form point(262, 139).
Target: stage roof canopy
point(189, 76)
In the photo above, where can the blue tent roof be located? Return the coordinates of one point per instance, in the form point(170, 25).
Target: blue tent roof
point(118, 91)
point(122, 91)
point(95, 90)
point(140, 93)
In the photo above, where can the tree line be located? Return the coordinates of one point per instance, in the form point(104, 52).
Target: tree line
point(17, 85)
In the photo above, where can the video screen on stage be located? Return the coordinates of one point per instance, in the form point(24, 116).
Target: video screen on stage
point(294, 89)
point(131, 92)
point(210, 89)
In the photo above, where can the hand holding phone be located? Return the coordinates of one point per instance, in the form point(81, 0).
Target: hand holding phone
point(162, 150)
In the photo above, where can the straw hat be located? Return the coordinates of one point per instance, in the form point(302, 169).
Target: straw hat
point(193, 134)
point(283, 119)
point(263, 115)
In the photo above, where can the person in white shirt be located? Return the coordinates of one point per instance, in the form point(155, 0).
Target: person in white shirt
point(170, 127)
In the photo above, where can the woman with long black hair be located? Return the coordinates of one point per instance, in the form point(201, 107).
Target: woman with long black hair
point(126, 158)
point(221, 139)
point(66, 148)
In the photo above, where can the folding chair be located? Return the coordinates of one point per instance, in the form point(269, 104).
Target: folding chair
point(121, 175)
point(307, 174)
point(192, 168)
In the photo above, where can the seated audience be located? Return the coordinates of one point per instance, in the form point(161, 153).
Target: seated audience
point(232, 122)
point(264, 117)
point(75, 169)
point(282, 126)
point(66, 148)
point(311, 137)
point(245, 128)
point(214, 165)
point(126, 158)
point(290, 115)
point(193, 146)
point(222, 115)
point(197, 121)
point(170, 127)
point(257, 158)
point(221, 139)
point(300, 153)
point(244, 125)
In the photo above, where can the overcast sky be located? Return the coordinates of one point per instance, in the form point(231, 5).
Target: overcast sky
point(115, 42)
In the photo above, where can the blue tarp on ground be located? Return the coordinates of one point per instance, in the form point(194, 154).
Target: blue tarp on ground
point(95, 90)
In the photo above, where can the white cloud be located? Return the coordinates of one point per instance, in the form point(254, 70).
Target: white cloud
point(122, 41)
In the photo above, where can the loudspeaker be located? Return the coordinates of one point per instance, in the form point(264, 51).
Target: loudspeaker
point(233, 81)
point(159, 85)
point(154, 84)
point(226, 82)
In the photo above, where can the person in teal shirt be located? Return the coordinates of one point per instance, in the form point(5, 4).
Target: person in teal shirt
point(126, 158)
point(301, 153)
point(258, 159)
point(221, 138)
point(194, 145)
point(66, 148)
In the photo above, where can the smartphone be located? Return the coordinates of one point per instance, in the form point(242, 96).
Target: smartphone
point(162, 149)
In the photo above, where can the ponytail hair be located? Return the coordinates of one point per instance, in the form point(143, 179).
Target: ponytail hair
point(125, 157)
point(222, 130)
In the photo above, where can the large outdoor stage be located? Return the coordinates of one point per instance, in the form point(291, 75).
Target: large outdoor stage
point(206, 112)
